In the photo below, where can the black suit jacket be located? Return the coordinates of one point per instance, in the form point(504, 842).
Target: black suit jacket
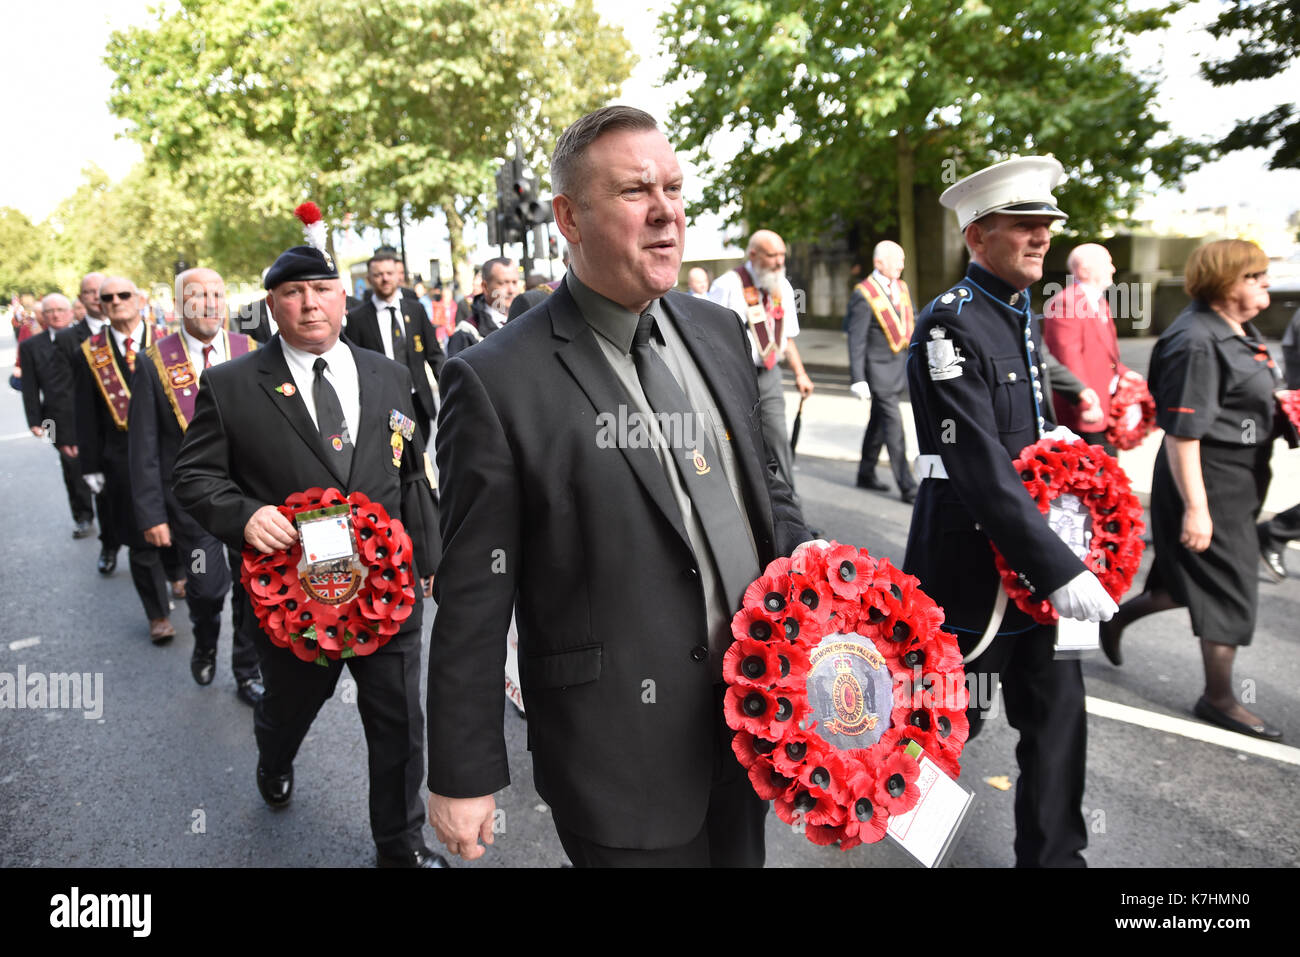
point(154, 437)
point(588, 543)
point(363, 330)
point(252, 319)
point(250, 446)
point(870, 358)
point(47, 387)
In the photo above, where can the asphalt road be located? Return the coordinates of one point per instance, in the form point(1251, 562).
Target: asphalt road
point(165, 775)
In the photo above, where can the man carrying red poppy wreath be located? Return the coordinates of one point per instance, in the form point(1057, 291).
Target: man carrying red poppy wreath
point(978, 374)
point(311, 411)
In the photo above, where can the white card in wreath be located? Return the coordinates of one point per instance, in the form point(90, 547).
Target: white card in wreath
point(326, 539)
point(1071, 523)
point(928, 831)
point(1076, 638)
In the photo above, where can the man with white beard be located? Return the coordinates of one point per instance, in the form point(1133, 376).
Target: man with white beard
point(758, 292)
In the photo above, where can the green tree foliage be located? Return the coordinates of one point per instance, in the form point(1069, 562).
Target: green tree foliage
point(1270, 45)
point(24, 257)
point(366, 108)
point(842, 108)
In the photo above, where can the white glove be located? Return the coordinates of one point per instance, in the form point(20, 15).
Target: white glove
point(1083, 598)
point(95, 480)
point(860, 390)
point(1061, 434)
point(811, 543)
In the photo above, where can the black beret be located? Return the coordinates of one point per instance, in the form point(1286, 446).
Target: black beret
point(299, 263)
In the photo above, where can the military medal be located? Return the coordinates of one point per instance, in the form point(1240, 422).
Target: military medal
point(417, 343)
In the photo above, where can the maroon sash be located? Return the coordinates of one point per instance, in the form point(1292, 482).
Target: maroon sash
point(897, 323)
point(104, 369)
point(765, 322)
point(175, 372)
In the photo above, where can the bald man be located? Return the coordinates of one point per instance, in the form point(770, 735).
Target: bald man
point(48, 399)
point(164, 389)
point(697, 282)
point(879, 324)
point(1080, 332)
point(762, 298)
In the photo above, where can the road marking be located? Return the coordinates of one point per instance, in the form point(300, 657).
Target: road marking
point(1192, 729)
point(22, 643)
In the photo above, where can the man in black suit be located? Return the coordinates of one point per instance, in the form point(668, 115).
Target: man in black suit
point(392, 325)
point(104, 365)
point(625, 562)
point(879, 324)
point(163, 394)
point(490, 309)
point(310, 410)
point(48, 402)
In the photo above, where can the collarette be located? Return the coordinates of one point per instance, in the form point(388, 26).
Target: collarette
point(997, 289)
point(605, 316)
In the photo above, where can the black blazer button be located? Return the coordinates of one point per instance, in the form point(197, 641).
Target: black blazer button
point(699, 653)
point(691, 572)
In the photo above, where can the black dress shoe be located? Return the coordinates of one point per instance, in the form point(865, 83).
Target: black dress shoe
point(908, 495)
point(107, 561)
point(871, 482)
point(1208, 712)
point(1110, 635)
point(276, 789)
point(250, 691)
point(420, 857)
point(1271, 558)
point(83, 530)
point(203, 666)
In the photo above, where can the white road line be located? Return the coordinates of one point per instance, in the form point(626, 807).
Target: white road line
point(22, 643)
point(1192, 729)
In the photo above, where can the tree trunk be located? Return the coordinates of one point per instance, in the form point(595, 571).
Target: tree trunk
point(460, 269)
point(906, 212)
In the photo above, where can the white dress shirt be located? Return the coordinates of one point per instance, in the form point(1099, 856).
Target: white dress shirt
point(135, 335)
point(341, 374)
point(194, 347)
point(94, 325)
point(385, 321)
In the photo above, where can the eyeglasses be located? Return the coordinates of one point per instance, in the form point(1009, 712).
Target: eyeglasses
point(120, 296)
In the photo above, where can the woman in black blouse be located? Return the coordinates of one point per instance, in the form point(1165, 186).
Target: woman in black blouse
point(1214, 387)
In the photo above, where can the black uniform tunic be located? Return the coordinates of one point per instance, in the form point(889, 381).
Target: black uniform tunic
point(1216, 386)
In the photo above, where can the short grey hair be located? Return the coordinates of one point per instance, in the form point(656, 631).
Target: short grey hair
point(568, 167)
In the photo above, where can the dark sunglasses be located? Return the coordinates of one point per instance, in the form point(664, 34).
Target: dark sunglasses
point(121, 296)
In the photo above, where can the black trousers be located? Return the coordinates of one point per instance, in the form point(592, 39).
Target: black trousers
point(79, 498)
point(150, 569)
point(885, 428)
point(388, 698)
point(208, 575)
point(733, 830)
point(1282, 527)
point(1044, 699)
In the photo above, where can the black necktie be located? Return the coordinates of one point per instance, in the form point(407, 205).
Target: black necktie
point(399, 341)
point(700, 469)
point(329, 419)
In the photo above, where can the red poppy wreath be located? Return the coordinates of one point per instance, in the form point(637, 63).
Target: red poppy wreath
point(838, 665)
point(1096, 514)
point(1132, 414)
point(339, 614)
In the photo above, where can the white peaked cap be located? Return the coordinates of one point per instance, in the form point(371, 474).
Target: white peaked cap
point(1022, 184)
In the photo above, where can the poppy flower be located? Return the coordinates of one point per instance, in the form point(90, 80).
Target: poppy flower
point(848, 571)
point(864, 819)
point(754, 622)
point(747, 748)
point(795, 749)
point(769, 783)
point(770, 591)
point(815, 595)
point(896, 788)
point(751, 663)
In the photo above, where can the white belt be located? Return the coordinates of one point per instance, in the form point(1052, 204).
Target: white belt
point(930, 466)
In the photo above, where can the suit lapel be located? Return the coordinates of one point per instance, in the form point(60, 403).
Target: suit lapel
point(275, 374)
point(703, 348)
point(371, 426)
point(363, 327)
point(583, 357)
